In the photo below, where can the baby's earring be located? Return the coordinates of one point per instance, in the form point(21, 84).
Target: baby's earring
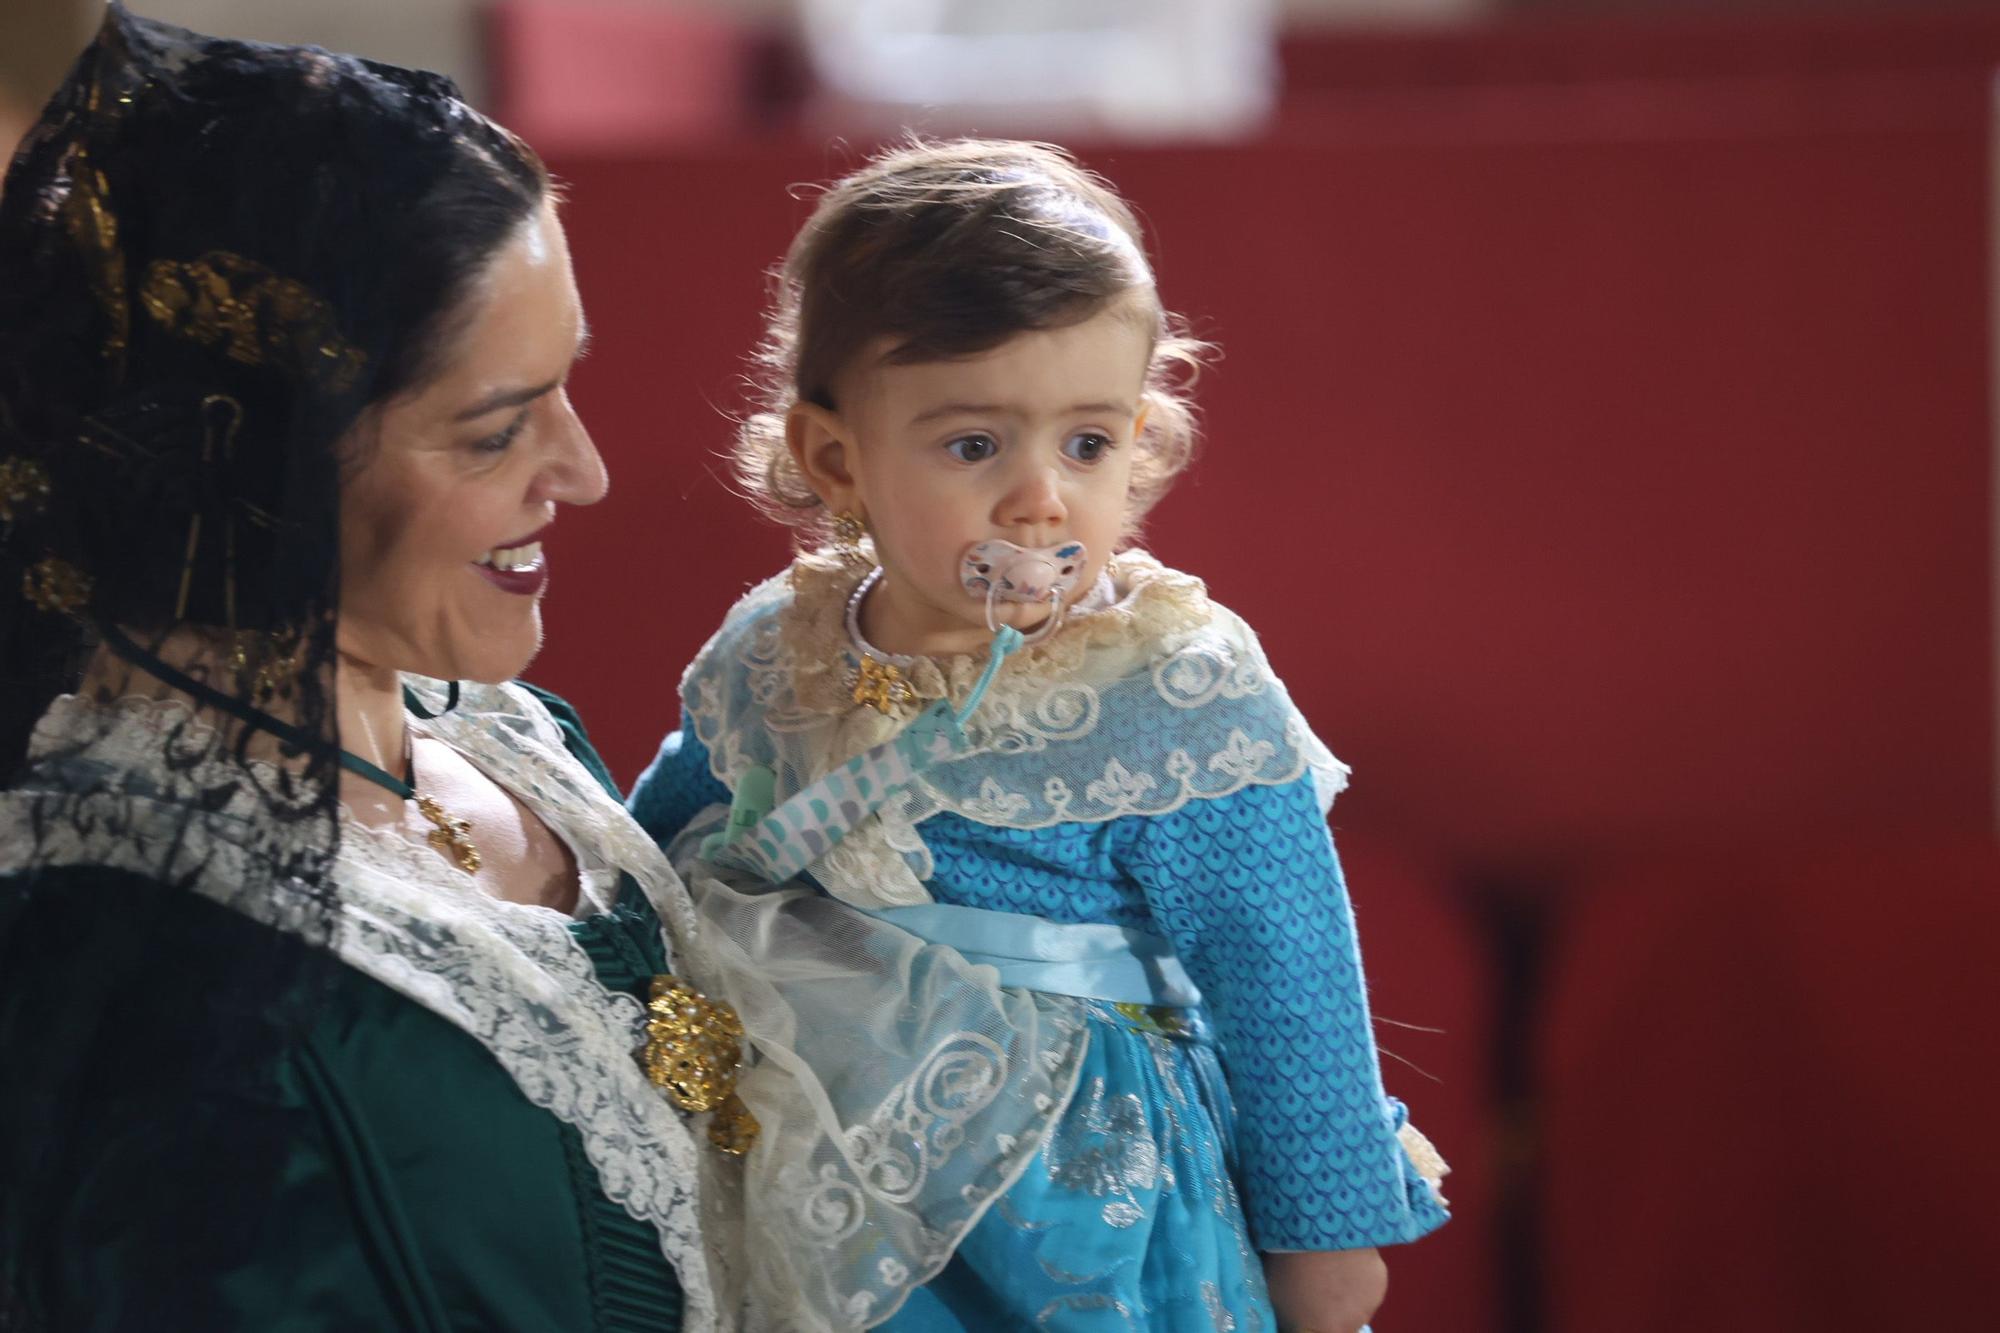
point(848, 530)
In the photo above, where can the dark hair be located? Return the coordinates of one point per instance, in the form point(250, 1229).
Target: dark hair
point(256, 245)
point(215, 257)
point(950, 249)
point(480, 196)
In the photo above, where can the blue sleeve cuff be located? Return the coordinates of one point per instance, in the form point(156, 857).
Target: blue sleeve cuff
point(1377, 1197)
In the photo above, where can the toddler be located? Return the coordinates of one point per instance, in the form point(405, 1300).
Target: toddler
point(1018, 843)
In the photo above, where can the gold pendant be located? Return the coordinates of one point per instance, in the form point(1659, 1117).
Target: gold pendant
point(880, 685)
point(452, 836)
point(694, 1050)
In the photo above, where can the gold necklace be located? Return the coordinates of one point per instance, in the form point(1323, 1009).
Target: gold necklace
point(450, 835)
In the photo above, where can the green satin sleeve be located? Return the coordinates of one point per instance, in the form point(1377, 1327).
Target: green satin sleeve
point(575, 738)
point(416, 1188)
point(380, 1171)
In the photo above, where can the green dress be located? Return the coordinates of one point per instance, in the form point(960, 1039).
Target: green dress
point(417, 1186)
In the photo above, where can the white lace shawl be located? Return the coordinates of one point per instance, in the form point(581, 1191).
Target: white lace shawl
point(1159, 698)
point(511, 976)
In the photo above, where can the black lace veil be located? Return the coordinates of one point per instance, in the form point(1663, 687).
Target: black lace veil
point(214, 257)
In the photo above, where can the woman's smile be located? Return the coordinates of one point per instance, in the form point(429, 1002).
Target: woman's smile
point(519, 567)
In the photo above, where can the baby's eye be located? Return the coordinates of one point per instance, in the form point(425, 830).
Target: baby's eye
point(972, 448)
point(1088, 446)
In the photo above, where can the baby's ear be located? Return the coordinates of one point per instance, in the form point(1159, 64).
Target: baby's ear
point(822, 448)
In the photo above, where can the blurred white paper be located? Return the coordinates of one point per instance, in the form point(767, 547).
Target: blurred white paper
point(1126, 68)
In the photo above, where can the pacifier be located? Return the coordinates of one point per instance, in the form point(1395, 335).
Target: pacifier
point(1000, 571)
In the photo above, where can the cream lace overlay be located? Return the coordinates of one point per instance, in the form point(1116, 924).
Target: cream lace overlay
point(901, 1088)
point(511, 976)
point(1137, 707)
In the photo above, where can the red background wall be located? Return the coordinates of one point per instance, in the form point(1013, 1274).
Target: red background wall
point(1601, 444)
point(1585, 489)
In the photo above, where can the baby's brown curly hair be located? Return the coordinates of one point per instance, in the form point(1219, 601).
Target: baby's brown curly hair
point(950, 249)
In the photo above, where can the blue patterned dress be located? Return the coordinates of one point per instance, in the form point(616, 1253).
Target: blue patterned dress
point(1197, 1137)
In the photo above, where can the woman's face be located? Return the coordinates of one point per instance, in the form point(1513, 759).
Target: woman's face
point(442, 560)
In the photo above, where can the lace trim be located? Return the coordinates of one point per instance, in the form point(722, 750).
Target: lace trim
point(133, 733)
point(140, 723)
point(1427, 1160)
point(1155, 700)
point(510, 975)
point(1101, 595)
point(1149, 603)
point(900, 1089)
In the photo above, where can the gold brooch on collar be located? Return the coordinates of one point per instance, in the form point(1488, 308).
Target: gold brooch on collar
point(881, 685)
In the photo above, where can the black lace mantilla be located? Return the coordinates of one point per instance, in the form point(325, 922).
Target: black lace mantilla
point(206, 260)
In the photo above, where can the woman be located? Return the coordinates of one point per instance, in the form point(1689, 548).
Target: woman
point(324, 980)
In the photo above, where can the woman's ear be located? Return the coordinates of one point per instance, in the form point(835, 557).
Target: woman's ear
point(822, 448)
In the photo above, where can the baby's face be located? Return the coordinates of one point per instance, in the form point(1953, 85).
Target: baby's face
point(1030, 443)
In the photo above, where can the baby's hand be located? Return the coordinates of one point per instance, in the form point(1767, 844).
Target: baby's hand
point(1326, 1291)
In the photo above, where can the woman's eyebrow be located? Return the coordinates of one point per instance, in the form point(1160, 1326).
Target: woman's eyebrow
point(515, 397)
point(493, 402)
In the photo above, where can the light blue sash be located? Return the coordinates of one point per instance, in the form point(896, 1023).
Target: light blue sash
point(1096, 962)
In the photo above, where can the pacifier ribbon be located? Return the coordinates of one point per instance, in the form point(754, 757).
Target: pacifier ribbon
point(777, 843)
point(777, 840)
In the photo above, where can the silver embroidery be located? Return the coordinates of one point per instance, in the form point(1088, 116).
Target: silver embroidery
point(1123, 1161)
point(1218, 1313)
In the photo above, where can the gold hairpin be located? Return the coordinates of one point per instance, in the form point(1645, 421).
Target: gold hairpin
point(86, 213)
point(257, 316)
point(55, 585)
point(209, 450)
point(24, 487)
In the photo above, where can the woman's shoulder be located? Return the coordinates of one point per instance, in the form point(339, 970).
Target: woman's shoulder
point(177, 990)
point(527, 728)
point(126, 1027)
point(575, 737)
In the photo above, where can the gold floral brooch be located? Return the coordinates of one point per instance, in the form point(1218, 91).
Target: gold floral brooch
point(694, 1050)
